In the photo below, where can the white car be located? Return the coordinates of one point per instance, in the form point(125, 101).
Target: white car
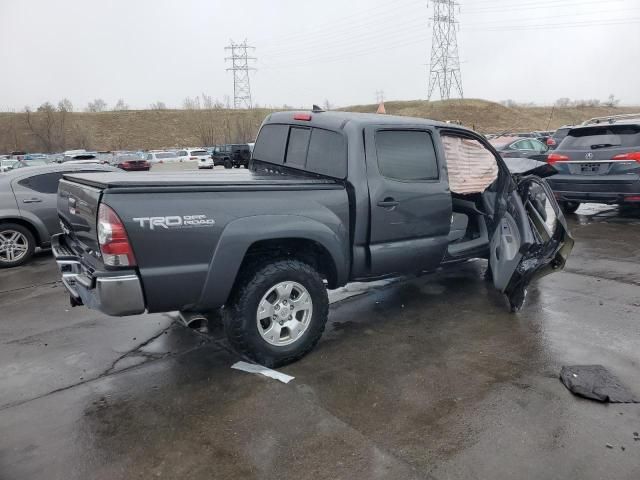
point(161, 157)
point(7, 164)
point(195, 155)
point(81, 158)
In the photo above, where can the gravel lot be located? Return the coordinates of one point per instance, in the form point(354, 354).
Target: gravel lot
point(420, 378)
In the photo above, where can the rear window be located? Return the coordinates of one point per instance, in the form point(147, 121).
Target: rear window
point(610, 136)
point(271, 143)
point(199, 152)
point(561, 133)
point(297, 148)
point(312, 149)
point(406, 155)
point(166, 155)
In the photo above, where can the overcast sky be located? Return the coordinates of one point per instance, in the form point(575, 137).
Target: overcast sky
point(307, 51)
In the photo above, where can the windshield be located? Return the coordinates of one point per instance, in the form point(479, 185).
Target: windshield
point(166, 155)
point(602, 137)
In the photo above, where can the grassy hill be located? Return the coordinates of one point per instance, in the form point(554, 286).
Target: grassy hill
point(149, 129)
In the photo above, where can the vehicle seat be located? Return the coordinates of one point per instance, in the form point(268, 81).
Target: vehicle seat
point(459, 223)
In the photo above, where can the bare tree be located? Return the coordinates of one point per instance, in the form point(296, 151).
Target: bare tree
point(158, 106)
point(120, 106)
point(65, 105)
point(46, 107)
point(191, 103)
point(563, 102)
point(48, 125)
point(612, 101)
point(98, 105)
point(327, 105)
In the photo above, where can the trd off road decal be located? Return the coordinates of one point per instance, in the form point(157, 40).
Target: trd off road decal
point(175, 221)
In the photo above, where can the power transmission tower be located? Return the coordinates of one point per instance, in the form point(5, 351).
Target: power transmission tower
point(444, 68)
point(240, 67)
point(379, 96)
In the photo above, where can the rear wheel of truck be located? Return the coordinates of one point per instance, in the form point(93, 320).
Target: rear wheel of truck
point(16, 245)
point(278, 313)
point(228, 164)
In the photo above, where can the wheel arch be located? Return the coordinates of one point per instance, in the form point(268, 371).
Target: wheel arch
point(248, 240)
point(37, 235)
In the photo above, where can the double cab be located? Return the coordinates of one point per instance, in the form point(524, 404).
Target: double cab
point(329, 198)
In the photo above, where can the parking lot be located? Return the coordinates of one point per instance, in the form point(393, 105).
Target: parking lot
point(418, 378)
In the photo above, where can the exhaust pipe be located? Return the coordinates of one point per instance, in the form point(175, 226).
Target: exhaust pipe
point(194, 321)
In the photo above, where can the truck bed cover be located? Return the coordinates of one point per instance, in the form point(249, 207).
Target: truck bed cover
point(202, 180)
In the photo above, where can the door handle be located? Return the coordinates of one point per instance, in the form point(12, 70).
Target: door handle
point(388, 203)
point(32, 200)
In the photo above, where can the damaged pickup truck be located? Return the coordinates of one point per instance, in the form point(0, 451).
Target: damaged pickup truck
point(329, 198)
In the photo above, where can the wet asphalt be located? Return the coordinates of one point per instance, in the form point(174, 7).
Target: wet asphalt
point(427, 378)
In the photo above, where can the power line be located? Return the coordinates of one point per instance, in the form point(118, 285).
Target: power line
point(240, 67)
point(444, 67)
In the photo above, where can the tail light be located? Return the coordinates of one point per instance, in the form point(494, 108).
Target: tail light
point(556, 157)
point(112, 237)
point(551, 142)
point(628, 156)
point(305, 117)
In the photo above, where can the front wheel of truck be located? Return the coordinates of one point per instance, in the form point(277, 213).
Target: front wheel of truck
point(278, 313)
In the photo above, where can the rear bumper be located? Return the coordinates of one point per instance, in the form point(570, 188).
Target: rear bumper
point(616, 190)
point(113, 293)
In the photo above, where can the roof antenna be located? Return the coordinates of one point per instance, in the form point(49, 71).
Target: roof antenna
point(316, 109)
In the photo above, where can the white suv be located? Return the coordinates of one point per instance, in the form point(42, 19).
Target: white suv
point(201, 156)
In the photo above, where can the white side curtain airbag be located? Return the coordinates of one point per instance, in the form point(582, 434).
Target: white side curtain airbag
point(472, 168)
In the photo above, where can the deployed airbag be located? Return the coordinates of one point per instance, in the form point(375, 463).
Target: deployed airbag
point(472, 168)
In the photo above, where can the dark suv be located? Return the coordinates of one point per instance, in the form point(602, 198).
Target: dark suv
point(232, 155)
point(598, 162)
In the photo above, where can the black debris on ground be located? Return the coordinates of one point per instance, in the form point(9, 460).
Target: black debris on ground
point(597, 383)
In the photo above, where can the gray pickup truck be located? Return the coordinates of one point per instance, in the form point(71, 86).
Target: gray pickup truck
point(329, 198)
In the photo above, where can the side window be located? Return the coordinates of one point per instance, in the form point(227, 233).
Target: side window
point(327, 154)
point(149, 156)
point(182, 153)
point(297, 147)
point(271, 143)
point(539, 146)
point(47, 183)
point(523, 145)
point(406, 155)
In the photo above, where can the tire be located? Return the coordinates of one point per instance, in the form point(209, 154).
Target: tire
point(18, 236)
point(228, 164)
point(246, 332)
point(569, 207)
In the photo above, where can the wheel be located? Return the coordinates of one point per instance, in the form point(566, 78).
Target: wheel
point(569, 207)
point(228, 164)
point(16, 245)
point(237, 166)
point(278, 313)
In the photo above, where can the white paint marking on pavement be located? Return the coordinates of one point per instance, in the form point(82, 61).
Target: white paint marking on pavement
point(259, 369)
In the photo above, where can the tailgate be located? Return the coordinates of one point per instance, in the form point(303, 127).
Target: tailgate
point(78, 212)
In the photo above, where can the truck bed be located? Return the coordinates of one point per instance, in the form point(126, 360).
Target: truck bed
point(202, 181)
